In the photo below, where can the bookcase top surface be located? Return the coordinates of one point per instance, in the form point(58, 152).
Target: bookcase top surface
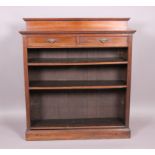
point(76, 19)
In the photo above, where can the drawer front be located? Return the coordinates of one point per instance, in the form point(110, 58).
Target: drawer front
point(51, 41)
point(103, 41)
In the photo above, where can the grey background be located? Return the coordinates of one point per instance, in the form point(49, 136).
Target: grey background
point(12, 101)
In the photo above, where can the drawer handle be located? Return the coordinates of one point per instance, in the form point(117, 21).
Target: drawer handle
point(51, 40)
point(103, 40)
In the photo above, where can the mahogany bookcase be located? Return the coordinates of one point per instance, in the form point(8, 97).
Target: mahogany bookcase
point(77, 77)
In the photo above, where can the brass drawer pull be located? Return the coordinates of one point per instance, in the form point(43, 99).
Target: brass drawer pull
point(51, 40)
point(103, 40)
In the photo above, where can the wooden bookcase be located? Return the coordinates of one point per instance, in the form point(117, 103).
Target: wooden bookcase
point(77, 77)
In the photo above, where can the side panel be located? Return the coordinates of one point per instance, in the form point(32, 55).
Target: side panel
point(127, 107)
point(27, 98)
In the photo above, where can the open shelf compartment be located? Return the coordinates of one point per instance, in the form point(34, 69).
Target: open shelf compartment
point(77, 77)
point(77, 57)
point(77, 109)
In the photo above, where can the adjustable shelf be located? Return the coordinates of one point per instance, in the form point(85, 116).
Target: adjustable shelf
point(75, 61)
point(77, 78)
point(58, 85)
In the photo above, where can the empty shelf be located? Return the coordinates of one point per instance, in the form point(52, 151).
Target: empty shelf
point(75, 61)
point(56, 85)
point(77, 123)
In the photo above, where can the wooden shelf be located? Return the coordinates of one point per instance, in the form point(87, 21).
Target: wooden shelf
point(56, 85)
point(75, 61)
point(77, 123)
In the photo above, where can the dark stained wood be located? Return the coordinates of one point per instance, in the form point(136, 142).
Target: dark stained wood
point(80, 93)
point(75, 61)
point(93, 41)
point(77, 134)
point(77, 25)
point(26, 79)
point(77, 123)
point(77, 104)
point(76, 19)
point(40, 32)
point(50, 41)
point(57, 85)
point(127, 106)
